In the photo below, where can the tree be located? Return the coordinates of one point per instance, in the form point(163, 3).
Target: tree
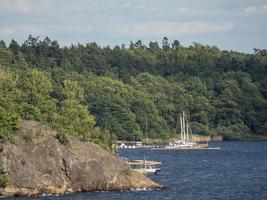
point(72, 90)
point(6, 57)
point(14, 46)
point(74, 118)
point(8, 123)
point(2, 44)
point(176, 45)
point(165, 44)
point(127, 88)
point(37, 87)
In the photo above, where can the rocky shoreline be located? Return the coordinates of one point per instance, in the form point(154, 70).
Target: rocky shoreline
point(43, 165)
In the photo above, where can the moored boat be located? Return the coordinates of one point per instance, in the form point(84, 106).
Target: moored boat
point(147, 169)
point(186, 142)
point(144, 166)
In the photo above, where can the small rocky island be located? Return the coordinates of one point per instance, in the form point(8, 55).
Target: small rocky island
point(37, 163)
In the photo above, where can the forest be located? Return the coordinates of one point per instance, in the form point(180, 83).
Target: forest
point(105, 93)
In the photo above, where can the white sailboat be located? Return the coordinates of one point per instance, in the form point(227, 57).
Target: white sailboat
point(185, 141)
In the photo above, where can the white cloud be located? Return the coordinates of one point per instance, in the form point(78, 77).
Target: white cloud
point(16, 5)
point(6, 31)
point(22, 29)
point(41, 30)
point(139, 7)
point(172, 28)
point(126, 5)
point(23, 6)
point(260, 9)
point(182, 10)
point(147, 8)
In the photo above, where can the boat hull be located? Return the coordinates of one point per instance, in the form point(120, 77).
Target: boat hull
point(148, 170)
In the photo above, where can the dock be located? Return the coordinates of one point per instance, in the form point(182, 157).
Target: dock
point(144, 166)
point(143, 162)
point(186, 149)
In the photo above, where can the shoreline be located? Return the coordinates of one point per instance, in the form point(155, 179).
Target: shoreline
point(212, 138)
point(44, 194)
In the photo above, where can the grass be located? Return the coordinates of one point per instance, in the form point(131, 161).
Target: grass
point(27, 136)
point(49, 171)
point(51, 153)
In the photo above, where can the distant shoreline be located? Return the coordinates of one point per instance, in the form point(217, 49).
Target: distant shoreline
point(249, 138)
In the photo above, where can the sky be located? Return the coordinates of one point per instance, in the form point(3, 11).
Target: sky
point(239, 25)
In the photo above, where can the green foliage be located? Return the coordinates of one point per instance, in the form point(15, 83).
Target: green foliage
point(200, 129)
point(8, 122)
point(2, 44)
point(3, 180)
point(73, 118)
point(109, 100)
point(233, 132)
point(51, 153)
point(37, 103)
point(30, 112)
point(27, 136)
point(62, 137)
point(6, 57)
point(100, 93)
point(72, 90)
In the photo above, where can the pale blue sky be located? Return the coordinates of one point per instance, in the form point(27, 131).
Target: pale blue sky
point(229, 24)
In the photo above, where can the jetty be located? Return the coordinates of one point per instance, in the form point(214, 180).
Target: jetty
point(143, 162)
point(185, 148)
point(144, 166)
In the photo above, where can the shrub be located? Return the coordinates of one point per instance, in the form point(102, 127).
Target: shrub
point(8, 123)
point(62, 138)
point(51, 153)
point(49, 171)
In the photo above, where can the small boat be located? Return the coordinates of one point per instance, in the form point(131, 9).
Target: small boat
point(147, 169)
point(144, 166)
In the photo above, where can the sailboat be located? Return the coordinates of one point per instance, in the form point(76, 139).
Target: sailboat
point(186, 142)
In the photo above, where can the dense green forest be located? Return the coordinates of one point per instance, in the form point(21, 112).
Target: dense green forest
point(103, 93)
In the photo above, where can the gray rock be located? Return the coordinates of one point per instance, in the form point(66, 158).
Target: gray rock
point(43, 165)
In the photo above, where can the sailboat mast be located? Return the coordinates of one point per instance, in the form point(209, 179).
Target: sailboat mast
point(184, 126)
point(187, 130)
point(146, 131)
point(181, 125)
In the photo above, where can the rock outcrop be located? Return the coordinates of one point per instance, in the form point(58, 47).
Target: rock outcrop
point(39, 163)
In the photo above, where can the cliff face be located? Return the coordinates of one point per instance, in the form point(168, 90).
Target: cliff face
point(43, 165)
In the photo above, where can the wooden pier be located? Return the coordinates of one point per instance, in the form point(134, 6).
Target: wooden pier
point(185, 149)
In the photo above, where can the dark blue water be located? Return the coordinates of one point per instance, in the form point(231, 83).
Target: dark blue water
point(237, 171)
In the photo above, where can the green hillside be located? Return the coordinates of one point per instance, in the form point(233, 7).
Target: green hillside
point(103, 93)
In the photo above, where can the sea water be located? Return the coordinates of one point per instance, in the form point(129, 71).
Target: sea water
point(237, 171)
